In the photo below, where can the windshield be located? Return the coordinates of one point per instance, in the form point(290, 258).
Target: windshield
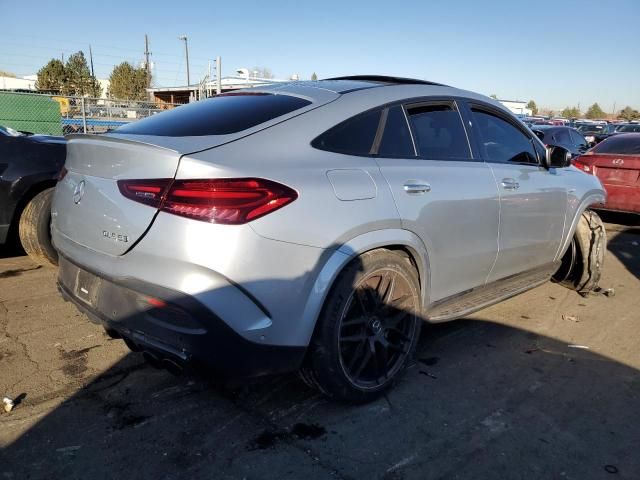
point(591, 128)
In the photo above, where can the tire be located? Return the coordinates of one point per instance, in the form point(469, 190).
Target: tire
point(582, 264)
point(368, 329)
point(34, 229)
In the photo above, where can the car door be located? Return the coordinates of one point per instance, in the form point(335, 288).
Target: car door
point(444, 195)
point(533, 199)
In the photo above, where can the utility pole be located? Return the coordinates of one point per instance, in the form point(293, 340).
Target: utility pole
point(147, 65)
point(62, 57)
point(218, 75)
point(186, 54)
point(91, 61)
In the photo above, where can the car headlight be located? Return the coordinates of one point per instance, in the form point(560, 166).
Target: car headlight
point(590, 138)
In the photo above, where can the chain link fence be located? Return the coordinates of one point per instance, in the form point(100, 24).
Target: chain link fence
point(59, 114)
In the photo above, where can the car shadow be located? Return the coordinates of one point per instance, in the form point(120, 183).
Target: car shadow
point(481, 400)
point(624, 238)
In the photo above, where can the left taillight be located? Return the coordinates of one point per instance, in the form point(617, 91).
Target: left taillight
point(231, 201)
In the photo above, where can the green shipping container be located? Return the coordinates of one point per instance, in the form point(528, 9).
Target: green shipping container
point(30, 113)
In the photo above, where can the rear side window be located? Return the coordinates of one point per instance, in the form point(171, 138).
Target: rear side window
point(562, 136)
point(578, 139)
point(500, 141)
point(353, 137)
point(619, 145)
point(396, 139)
point(438, 132)
point(220, 115)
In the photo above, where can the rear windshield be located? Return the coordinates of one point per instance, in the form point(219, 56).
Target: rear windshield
point(619, 145)
point(221, 115)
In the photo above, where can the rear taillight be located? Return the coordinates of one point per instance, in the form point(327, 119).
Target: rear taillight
point(582, 166)
point(231, 201)
point(62, 173)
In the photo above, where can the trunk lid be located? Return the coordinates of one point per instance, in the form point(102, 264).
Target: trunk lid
point(615, 169)
point(88, 207)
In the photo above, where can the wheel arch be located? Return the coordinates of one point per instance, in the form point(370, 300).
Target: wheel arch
point(28, 194)
point(391, 239)
point(592, 197)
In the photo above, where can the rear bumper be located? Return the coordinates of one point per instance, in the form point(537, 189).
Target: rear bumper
point(622, 198)
point(170, 324)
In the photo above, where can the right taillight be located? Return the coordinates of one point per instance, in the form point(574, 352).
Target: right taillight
point(231, 201)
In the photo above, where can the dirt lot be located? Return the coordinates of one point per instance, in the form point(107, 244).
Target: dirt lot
point(546, 385)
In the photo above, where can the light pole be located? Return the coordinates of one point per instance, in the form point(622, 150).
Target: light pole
point(186, 54)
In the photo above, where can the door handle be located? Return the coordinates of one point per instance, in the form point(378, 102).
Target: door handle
point(417, 188)
point(510, 184)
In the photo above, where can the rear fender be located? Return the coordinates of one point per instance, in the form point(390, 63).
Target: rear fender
point(357, 246)
point(592, 197)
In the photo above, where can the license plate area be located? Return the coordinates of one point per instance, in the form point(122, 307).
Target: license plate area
point(87, 287)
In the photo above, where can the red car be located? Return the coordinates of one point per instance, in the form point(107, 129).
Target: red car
point(616, 162)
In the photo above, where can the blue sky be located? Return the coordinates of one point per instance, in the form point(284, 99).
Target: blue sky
point(559, 53)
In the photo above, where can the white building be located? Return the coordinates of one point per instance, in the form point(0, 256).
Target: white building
point(14, 83)
point(517, 106)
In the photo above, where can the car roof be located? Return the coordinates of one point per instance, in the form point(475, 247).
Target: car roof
point(374, 89)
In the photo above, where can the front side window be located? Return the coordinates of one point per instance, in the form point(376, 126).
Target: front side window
point(352, 137)
point(438, 132)
point(500, 141)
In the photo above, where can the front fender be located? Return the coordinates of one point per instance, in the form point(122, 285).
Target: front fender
point(351, 249)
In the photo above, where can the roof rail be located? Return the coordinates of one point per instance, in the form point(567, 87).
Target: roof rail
point(386, 79)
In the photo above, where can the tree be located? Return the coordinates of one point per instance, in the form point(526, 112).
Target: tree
point(533, 107)
point(52, 77)
point(494, 96)
point(78, 77)
point(262, 72)
point(4, 73)
point(628, 113)
point(570, 112)
point(314, 77)
point(595, 111)
point(128, 83)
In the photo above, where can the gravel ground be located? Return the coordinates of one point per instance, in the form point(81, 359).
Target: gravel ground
point(504, 393)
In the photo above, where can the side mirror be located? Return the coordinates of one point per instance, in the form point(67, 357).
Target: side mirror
point(558, 157)
point(539, 134)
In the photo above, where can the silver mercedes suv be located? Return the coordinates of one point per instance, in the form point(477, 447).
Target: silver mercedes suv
point(313, 226)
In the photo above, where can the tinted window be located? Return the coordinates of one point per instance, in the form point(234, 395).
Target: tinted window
point(396, 140)
point(629, 128)
point(438, 132)
point(354, 136)
point(501, 141)
point(216, 116)
point(562, 136)
point(577, 138)
point(620, 145)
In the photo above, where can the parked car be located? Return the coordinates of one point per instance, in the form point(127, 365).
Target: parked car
point(314, 225)
point(616, 162)
point(596, 132)
point(29, 167)
point(628, 128)
point(566, 137)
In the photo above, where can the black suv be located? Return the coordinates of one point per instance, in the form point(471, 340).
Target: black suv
point(565, 137)
point(29, 168)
